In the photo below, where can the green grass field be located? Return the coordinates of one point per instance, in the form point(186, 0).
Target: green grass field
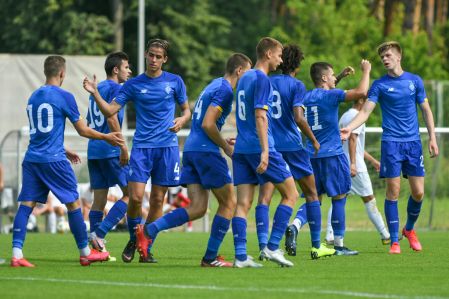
point(372, 274)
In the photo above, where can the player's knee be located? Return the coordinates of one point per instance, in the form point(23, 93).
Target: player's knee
point(418, 195)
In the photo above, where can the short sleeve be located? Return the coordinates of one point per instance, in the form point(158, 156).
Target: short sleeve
point(70, 108)
point(373, 93)
point(222, 97)
point(180, 91)
point(125, 94)
point(115, 90)
point(299, 94)
point(421, 96)
point(337, 96)
point(262, 92)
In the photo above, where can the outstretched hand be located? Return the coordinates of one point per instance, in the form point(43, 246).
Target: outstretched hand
point(365, 65)
point(115, 139)
point(349, 70)
point(90, 85)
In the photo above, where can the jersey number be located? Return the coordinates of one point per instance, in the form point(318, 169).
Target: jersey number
point(316, 125)
point(276, 104)
point(40, 126)
point(98, 121)
point(241, 111)
point(198, 107)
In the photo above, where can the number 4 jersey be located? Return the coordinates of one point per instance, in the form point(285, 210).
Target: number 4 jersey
point(48, 107)
point(322, 116)
point(100, 149)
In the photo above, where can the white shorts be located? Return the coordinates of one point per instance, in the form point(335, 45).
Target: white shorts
point(361, 184)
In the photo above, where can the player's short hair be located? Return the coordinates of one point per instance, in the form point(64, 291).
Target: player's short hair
point(317, 69)
point(53, 65)
point(266, 44)
point(388, 45)
point(235, 61)
point(292, 56)
point(113, 60)
point(159, 43)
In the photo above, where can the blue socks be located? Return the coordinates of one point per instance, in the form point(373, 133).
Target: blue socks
point(413, 210)
point(114, 216)
point(314, 218)
point(220, 226)
point(392, 217)
point(95, 218)
point(301, 215)
point(78, 227)
point(239, 232)
point(338, 217)
point(280, 223)
point(262, 224)
point(20, 226)
point(132, 223)
point(173, 219)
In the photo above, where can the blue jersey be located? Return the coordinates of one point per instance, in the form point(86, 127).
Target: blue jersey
point(219, 94)
point(398, 97)
point(100, 149)
point(322, 116)
point(47, 110)
point(154, 100)
point(254, 91)
point(288, 93)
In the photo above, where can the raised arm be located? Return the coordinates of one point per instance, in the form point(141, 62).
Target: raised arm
point(361, 90)
point(361, 117)
point(304, 127)
point(209, 126)
point(349, 70)
point(262, 133)
point(179, 122)
point(352, 147)
point(428, 119)
point(83, 130)
point(105, 108)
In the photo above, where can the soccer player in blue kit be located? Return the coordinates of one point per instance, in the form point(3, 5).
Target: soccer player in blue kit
point(255, 161)
point(204, 168)
point(155, 151)
point(45, 167)
point(287, 115)
point(399, 93)
point(107, 164)
point(330, 165)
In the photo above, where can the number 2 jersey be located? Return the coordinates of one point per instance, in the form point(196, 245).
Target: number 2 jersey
point(218, 94)
point(47, 109)
point(100, 149)
point(322, 116)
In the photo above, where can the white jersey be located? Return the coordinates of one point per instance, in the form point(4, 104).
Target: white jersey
point(345, 119)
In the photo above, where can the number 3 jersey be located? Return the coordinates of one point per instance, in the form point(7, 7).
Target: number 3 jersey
point(100, 149)
point(217, 94)
point(288, 93)
point(254, 91)
point(322, 116)
point(47, 109)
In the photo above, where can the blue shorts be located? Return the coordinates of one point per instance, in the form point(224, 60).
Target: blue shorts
point(244, 169)
point(401, 156)
point(332, 175)
point(105, 173)
point(161, 164)
point(210, 170)
point(299, 163)
point(40, 178)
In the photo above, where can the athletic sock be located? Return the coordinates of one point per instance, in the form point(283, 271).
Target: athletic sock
point(338, 220)
point(114, 216)
point(132, 224)
point(20, 226)
point(376, 218)
point(413, 210)
point(78, 227)
point(220, 226)
point(95, 218)
point(301, 215)
point(280, 223)
point(262, 225)
point(314, 219)
point(175, 218)
point(392, 217)
point(329, 230)
point(239, 233)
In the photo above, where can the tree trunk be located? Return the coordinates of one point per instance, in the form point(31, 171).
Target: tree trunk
point(429, 21)
point(441, 11)
point(117, 13)
point(377, 9)
point(389, 14)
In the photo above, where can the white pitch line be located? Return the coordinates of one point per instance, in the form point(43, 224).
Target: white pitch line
point(218, 288)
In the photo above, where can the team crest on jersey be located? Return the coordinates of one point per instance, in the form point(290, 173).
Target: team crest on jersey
point(411, 86)
point(167, 88)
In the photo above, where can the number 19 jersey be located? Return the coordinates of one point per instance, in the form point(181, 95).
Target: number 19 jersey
point(100, 149)
point(47, 108)
point(254, 91)
point(322, 116)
